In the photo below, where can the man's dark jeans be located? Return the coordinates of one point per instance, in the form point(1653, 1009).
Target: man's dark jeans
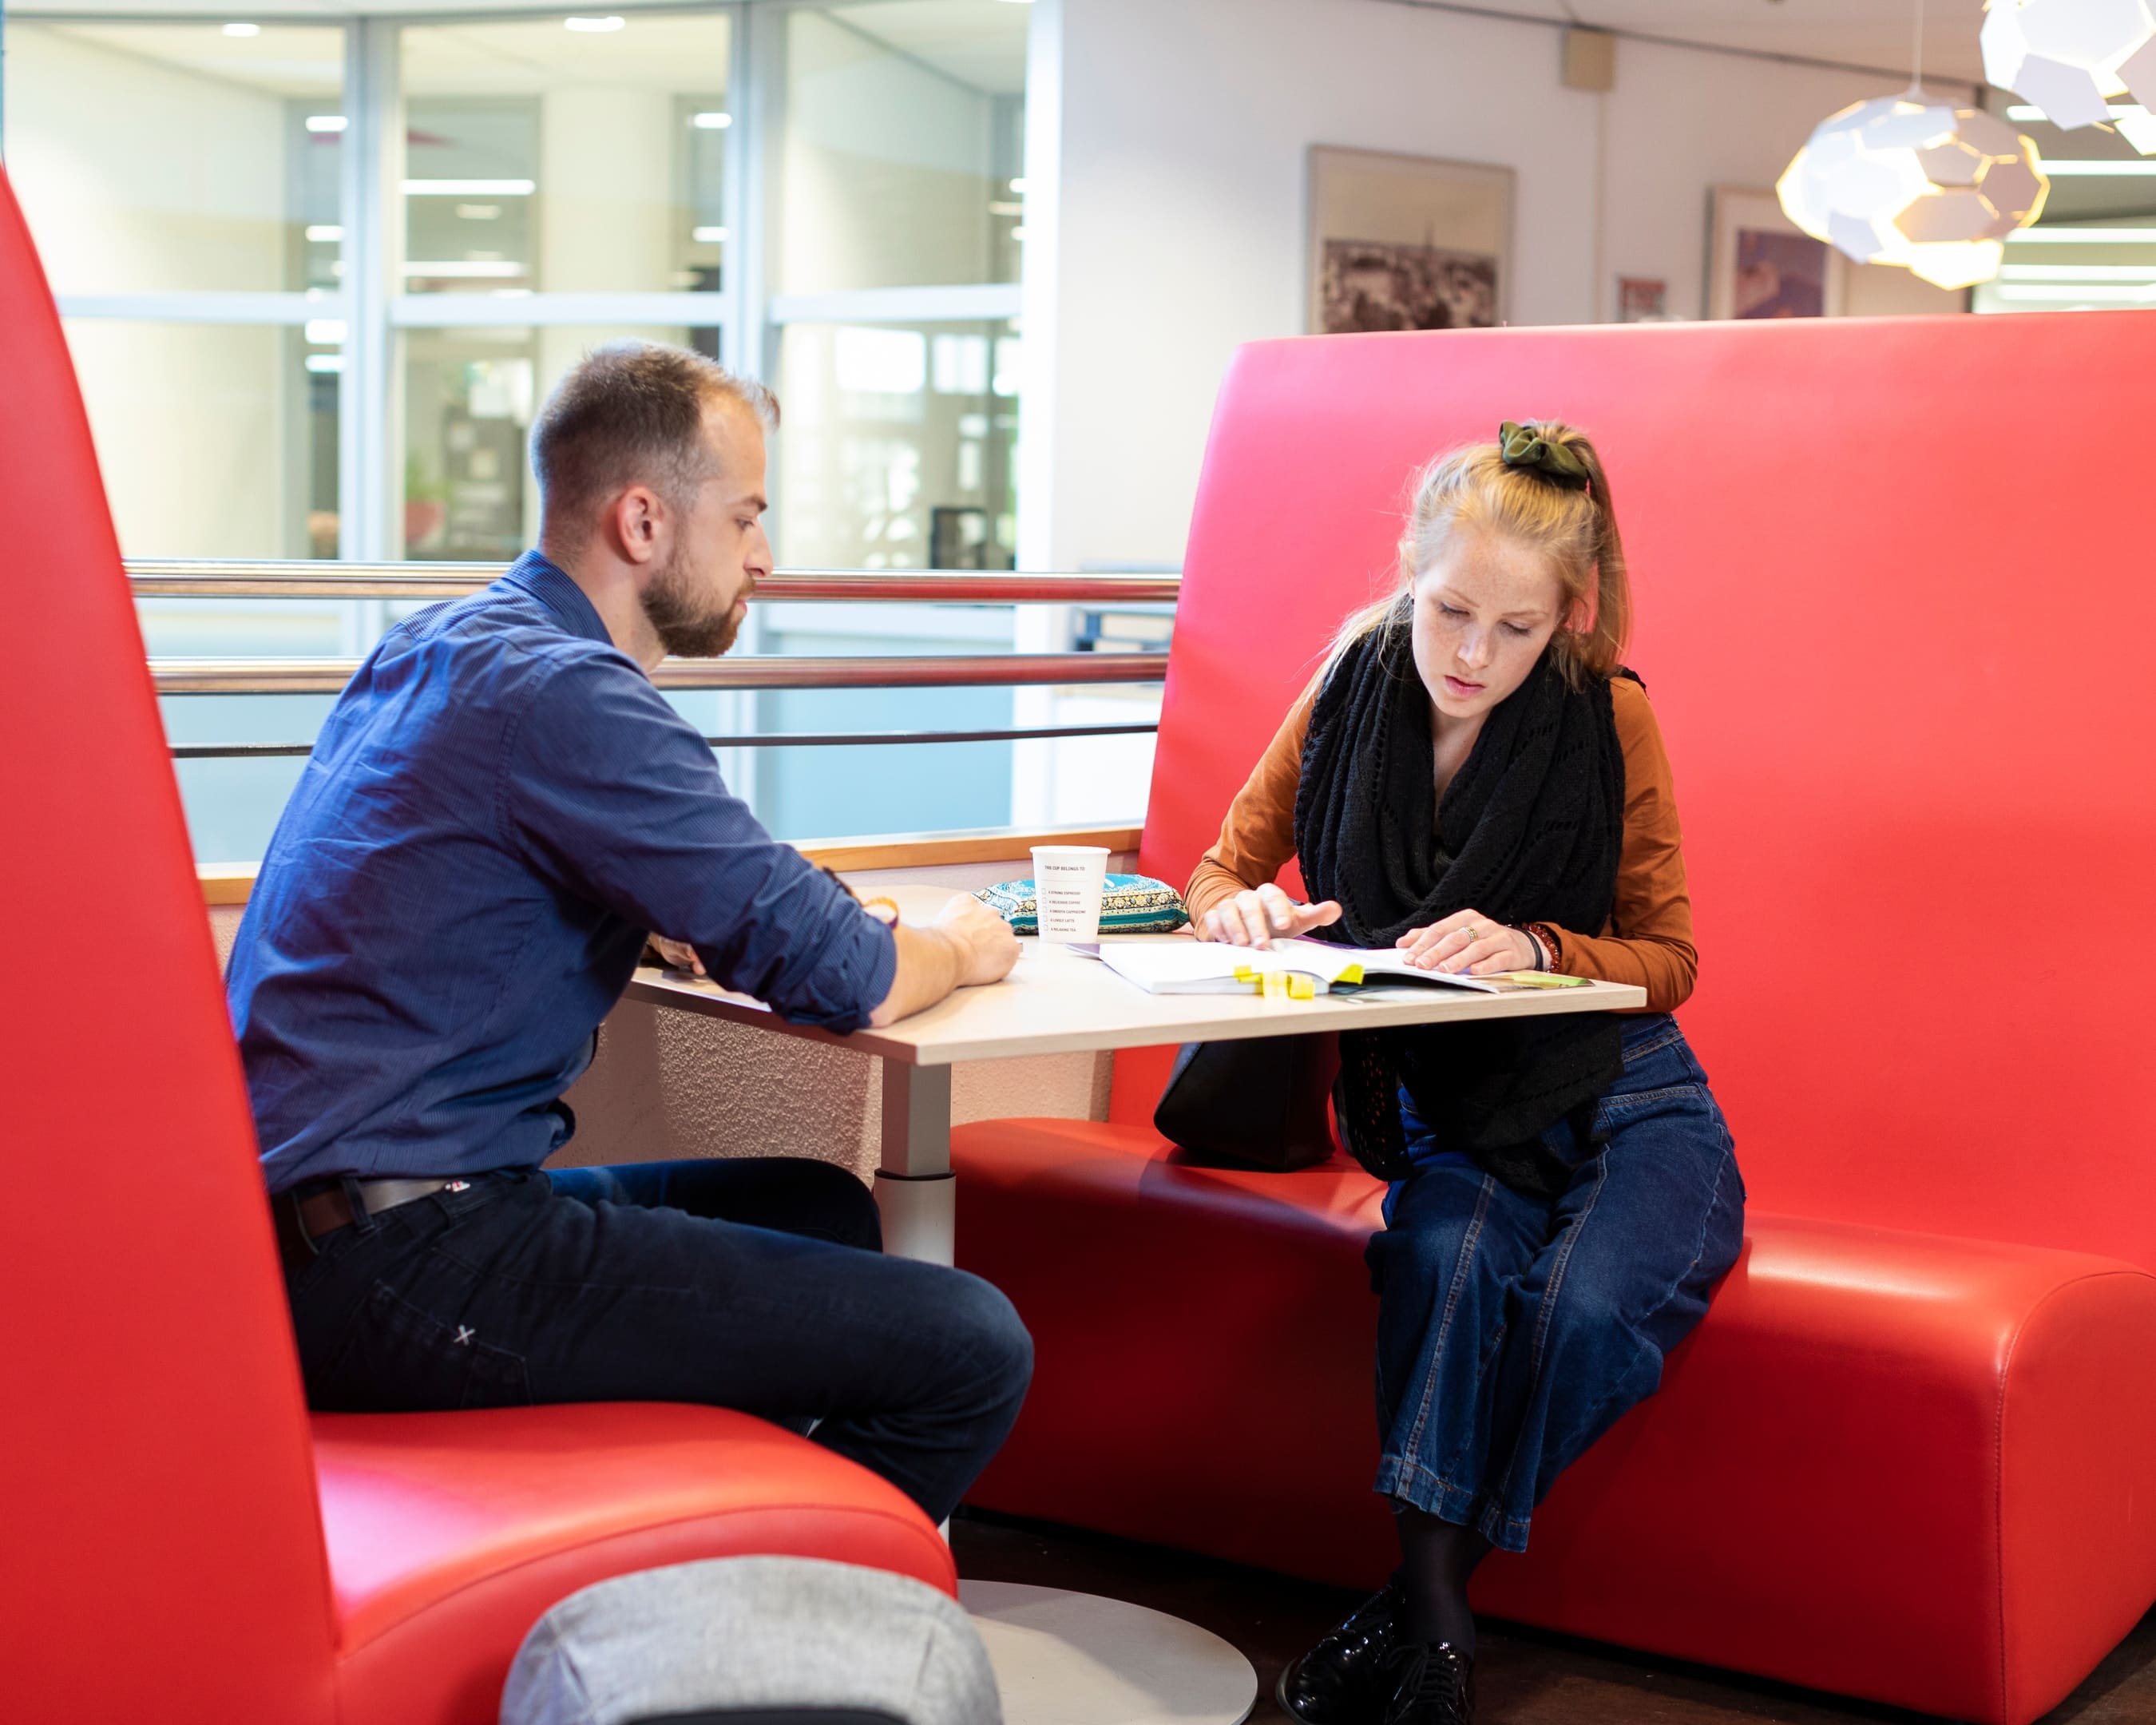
point(752, 1284)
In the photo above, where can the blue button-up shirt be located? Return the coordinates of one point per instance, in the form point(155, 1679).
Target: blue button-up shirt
point(499, 808)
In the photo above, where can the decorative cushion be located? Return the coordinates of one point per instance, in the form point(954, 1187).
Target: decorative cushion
point(1130, 904)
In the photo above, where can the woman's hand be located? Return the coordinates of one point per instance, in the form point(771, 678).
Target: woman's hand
point(1256, 919)
point(1469, 942)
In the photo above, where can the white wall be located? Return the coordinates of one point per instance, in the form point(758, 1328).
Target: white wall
point(134, 178)
point(1183, 129)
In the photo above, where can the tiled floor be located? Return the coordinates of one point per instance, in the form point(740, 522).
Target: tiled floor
point(1525, 1678)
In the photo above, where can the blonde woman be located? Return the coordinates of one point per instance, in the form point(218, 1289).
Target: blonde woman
point(1475, 778)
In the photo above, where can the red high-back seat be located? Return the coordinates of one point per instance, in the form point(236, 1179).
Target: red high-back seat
point(1890, 616)
point(177, 1543)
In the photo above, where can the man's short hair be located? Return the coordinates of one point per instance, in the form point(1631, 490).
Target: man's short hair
point(632, 413)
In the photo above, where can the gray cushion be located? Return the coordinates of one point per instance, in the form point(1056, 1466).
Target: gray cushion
point(767, 1636)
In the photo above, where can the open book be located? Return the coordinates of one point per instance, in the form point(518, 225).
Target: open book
point(1296, 967)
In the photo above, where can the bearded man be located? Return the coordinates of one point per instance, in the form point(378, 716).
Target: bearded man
point(499, 808)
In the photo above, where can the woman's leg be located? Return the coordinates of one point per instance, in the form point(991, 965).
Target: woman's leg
point(1456, 1242)
point(1650, 1223)
point(1454, 1238)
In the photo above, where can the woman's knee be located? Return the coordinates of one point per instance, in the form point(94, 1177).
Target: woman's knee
point(1440, 1223)
point(1411, 1263)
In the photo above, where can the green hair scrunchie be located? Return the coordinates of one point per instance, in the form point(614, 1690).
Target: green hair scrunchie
point(1521, 447)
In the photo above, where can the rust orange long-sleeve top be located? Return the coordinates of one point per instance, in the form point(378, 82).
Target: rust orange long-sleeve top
point(1648, 941)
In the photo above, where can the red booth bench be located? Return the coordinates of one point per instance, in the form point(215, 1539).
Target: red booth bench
point(179, 1543)
point(1892, 607)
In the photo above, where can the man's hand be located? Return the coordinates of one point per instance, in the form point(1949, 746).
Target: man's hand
point(1256, 919)
point(987, 947)
point(967, 945)
point(679, 954)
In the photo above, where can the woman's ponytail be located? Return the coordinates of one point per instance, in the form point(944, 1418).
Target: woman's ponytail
point(1599, 647)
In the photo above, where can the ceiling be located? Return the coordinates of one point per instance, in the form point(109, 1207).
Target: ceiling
point(1864, 33)
point(284, 59)
point(979, 42)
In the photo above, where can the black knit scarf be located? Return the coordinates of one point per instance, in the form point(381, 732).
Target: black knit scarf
point(1530, 830)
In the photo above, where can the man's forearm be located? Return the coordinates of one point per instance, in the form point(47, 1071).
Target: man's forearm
point(931, 964)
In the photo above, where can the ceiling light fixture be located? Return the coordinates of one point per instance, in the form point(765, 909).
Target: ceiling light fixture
point(468, 188)
point(2066, 57)
point(2025, 111)
point(325, 233)
point(708, 236)
point(326, 122)
point(2083, 236)
point(1917, 182)
point(467, 269)
point(711, 120)
point(2077, 272)
point(2135, 123)
point(595, 26)
point(2037, 293)
point(243, 30)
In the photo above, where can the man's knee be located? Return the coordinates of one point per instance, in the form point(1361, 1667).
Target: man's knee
point(986, 1327)
point(850, 1207)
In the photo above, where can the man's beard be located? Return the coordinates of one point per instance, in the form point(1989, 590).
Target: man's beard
point(684, 628)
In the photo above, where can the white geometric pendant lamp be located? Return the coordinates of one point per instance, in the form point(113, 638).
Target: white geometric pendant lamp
point(2069, 57)
point(1913, 182)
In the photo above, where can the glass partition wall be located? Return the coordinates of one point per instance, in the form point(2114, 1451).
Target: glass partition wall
point(318, 277)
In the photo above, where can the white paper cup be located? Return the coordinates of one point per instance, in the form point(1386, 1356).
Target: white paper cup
point(1067, 883)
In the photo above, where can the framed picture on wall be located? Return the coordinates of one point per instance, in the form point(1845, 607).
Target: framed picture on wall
point(1642, 299)
point(1760, 264)
point(1407, 243)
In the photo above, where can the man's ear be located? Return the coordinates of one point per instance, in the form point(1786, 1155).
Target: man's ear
point(635, 521)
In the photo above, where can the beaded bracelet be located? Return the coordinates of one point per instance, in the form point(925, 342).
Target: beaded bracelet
point(1543, 939)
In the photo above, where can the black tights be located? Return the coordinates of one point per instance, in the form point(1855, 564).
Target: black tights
point(1438, 1557)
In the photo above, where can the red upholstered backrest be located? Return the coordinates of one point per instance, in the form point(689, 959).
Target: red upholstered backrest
point(161, 1554)
point(1893, 612)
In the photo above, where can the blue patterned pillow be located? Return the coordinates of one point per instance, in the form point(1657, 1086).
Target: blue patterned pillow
point(1130, 904)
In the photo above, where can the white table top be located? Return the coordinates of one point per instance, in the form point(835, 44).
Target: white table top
point(1057, 1002)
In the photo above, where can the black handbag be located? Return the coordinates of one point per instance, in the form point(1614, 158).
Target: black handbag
point(1260, 1102)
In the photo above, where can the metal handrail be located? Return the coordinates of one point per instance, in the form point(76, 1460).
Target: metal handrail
point(758, 739)
point(180, 578)
point(327, 676)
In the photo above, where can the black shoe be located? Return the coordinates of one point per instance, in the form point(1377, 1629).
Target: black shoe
point(1432, 1683)
point(1341, 1680)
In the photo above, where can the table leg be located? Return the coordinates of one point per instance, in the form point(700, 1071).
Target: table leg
point(915, 1188)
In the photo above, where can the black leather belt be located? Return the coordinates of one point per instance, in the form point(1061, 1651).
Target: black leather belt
point(322, 1207)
